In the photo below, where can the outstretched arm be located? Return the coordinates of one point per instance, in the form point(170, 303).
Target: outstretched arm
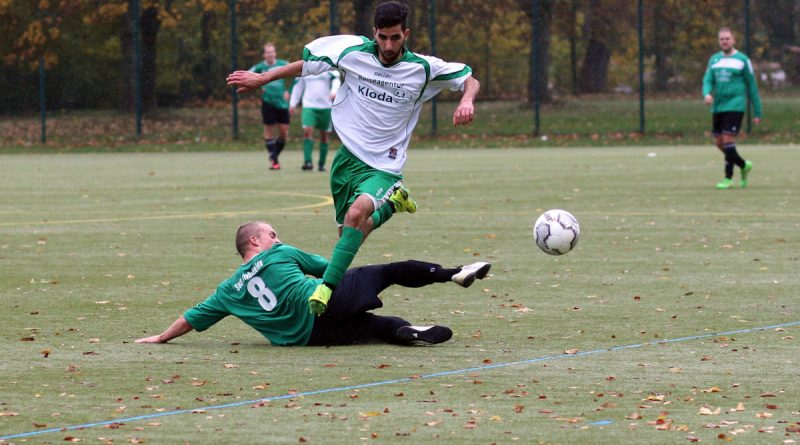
point(176, 329)
point(248, 81)
point(466, 110)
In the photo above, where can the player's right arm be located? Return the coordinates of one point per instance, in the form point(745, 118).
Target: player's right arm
point(248, 81)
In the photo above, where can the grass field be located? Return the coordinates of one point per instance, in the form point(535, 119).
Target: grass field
point(674, 320)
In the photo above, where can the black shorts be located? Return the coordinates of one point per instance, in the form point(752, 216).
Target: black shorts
point(347, 320)
point(272, 115)
point(727, 122)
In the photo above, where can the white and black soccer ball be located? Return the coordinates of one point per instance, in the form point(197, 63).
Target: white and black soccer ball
point(556, 232)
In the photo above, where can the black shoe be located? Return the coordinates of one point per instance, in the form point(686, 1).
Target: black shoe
point(321, 168)
point(424, 334)
point(308, 166)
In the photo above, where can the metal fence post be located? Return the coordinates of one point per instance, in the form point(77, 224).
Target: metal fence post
point(535, 32)
point(42, 102)
point(432, 36)
point(640, 26)
point(747, 51)
point(136, 18)
point(234, 95)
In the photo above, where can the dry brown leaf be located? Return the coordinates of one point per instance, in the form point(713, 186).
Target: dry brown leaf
point(708, 410)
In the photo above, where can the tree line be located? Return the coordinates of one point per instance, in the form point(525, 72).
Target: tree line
point(583, 46)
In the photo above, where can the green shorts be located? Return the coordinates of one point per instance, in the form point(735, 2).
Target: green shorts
point(351, 177)
point(319, 118)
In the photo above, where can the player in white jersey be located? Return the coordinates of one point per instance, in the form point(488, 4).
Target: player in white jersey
point(374, 113)
point(316, 94)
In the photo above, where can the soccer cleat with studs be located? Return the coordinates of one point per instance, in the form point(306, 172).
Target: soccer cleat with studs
point(307, 166)
point(745, 171)
point(725, 184)
point(401, 201)
point(467, 275)
point(421, 335)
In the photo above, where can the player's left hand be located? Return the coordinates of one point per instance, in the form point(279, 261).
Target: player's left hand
point(464, 113)
point(244, 80)
point(756, 120)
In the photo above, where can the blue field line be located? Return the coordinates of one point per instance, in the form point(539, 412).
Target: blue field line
point(401, 380)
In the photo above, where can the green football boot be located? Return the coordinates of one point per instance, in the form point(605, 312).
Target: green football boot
point(745, 171)
point(725, 184)
point(401, 201)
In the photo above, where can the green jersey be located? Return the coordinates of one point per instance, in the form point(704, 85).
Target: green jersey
point(273, 92)
point(269, 293)
point(730, 79)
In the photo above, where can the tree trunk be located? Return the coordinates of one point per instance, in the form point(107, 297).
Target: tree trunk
point(149, 26)
point(364, 23)
point(594, 73)
point(203, 70)
point(127, 63)
point(660, 40)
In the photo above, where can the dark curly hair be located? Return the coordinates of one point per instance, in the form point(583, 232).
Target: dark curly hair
point(390, 14)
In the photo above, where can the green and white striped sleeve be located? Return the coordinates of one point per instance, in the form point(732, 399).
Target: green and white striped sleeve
point(324, 54)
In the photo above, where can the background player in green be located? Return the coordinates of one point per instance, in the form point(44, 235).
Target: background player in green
point(270, 290)
point(375, 112)
point(316, 94)
point(274, 106)
point(728, 83)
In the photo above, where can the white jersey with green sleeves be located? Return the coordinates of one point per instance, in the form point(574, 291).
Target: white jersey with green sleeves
point(315, 91)
point(377, 106)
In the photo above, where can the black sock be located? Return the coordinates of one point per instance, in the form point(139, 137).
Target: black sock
point(279, 144)
point(271, 145)
point(413, 273)
point(730, 150)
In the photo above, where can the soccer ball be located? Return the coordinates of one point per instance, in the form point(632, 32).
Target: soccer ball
point(556, 232)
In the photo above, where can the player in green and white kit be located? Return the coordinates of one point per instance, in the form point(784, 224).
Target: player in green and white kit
point(374, 114)
point(727, 84)
point(274, 106)
point(316, 94)
point(269, 292)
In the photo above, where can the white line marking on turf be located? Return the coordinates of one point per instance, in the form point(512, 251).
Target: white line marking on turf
point(401, 380)
point(326, 201)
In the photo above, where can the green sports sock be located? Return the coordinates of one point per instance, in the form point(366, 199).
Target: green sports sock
point(343, 254)
point(323, 153)
point(381, 215)
point(308, 147)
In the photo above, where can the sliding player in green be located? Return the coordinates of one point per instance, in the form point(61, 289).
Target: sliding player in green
point(727, 84)
point(269, 292)
point(374, 114)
